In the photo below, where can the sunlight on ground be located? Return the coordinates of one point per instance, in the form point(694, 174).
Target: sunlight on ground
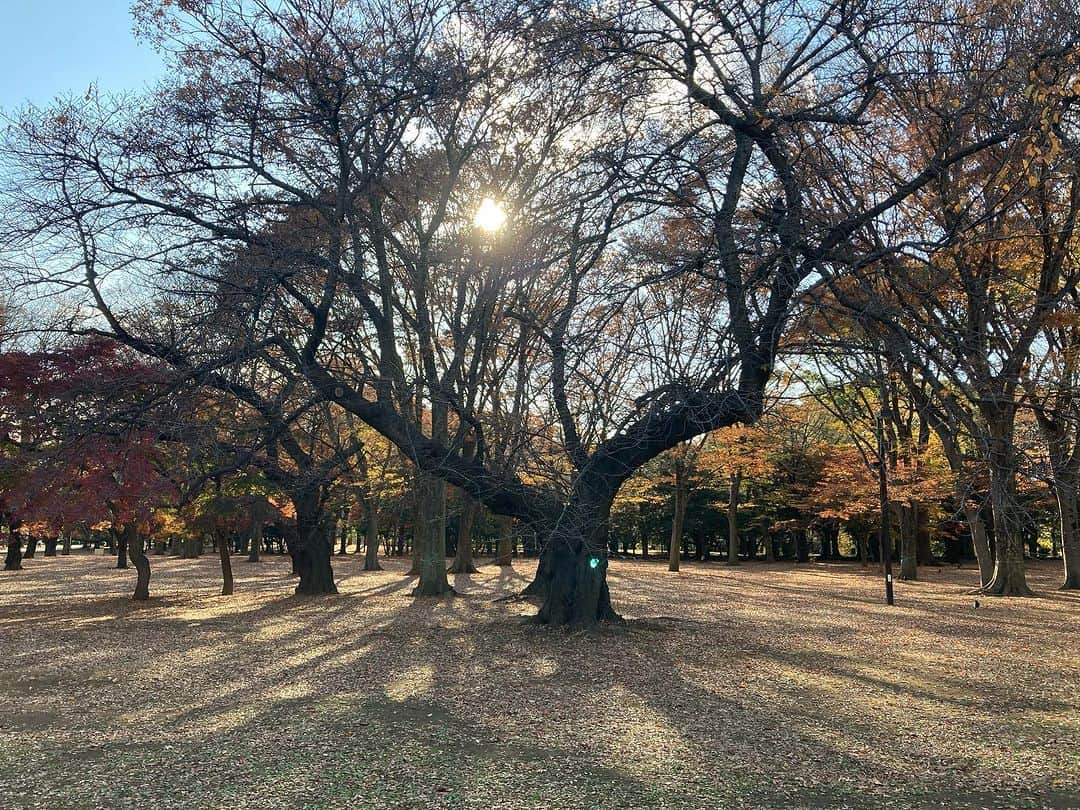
point(761, 686)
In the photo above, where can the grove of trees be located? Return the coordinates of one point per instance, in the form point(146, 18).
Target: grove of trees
point(572, 279)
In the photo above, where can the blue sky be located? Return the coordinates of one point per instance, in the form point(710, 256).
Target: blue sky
point(49, 47)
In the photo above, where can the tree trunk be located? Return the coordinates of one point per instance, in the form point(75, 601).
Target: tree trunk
point(255, 541)
point(192, 548)
point(503, 552)
point(13, 560)
point(133, 543)
point(371, 536)
point(313, 547)
point(31, 547)
point(226, 566)
point(50, 546)
point(679, 517)
point(1065, 492)
point(802, 546)
point(121, 550)
point(981, 543)
point(922, 536)
point(1008, 578)
point(576, 586)
point(734, 484)
point(463, 558)
point(909, 547)
point(65, 548)
point(431, 539)
point(770, 549)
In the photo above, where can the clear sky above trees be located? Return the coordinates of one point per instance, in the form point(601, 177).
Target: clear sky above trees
point(51, 47)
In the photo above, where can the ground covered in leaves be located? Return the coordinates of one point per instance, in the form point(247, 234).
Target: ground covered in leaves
point(757, 686)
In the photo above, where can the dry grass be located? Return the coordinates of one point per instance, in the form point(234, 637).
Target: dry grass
point(760, 686)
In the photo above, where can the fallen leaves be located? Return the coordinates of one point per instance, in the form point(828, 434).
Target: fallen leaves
point(762, 686)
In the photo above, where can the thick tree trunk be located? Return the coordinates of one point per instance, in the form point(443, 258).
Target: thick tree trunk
point(65, 548)
point(1065, 491)
point(574, 581)
point(503, 551)
point(431, 539)
point(31, 547)
point(1008, 578)
point(371, 536)
point(909, 547)
point(734, 484)
point(313, 548)
point(133, 542)
point(577, 590)
point(463, 558)
point(13, 559)
point(50, 546)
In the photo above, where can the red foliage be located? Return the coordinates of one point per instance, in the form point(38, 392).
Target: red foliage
point(67, 457)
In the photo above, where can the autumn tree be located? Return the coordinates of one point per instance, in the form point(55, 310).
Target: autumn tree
point(79, 446)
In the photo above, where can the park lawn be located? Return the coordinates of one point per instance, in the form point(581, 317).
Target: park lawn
point(756, 686)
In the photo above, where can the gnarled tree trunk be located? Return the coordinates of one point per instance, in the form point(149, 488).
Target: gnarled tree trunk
point(574, 580)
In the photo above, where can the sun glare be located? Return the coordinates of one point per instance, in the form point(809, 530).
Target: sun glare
point(489, 216)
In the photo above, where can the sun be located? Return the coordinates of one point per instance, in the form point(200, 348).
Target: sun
point(490, 216)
